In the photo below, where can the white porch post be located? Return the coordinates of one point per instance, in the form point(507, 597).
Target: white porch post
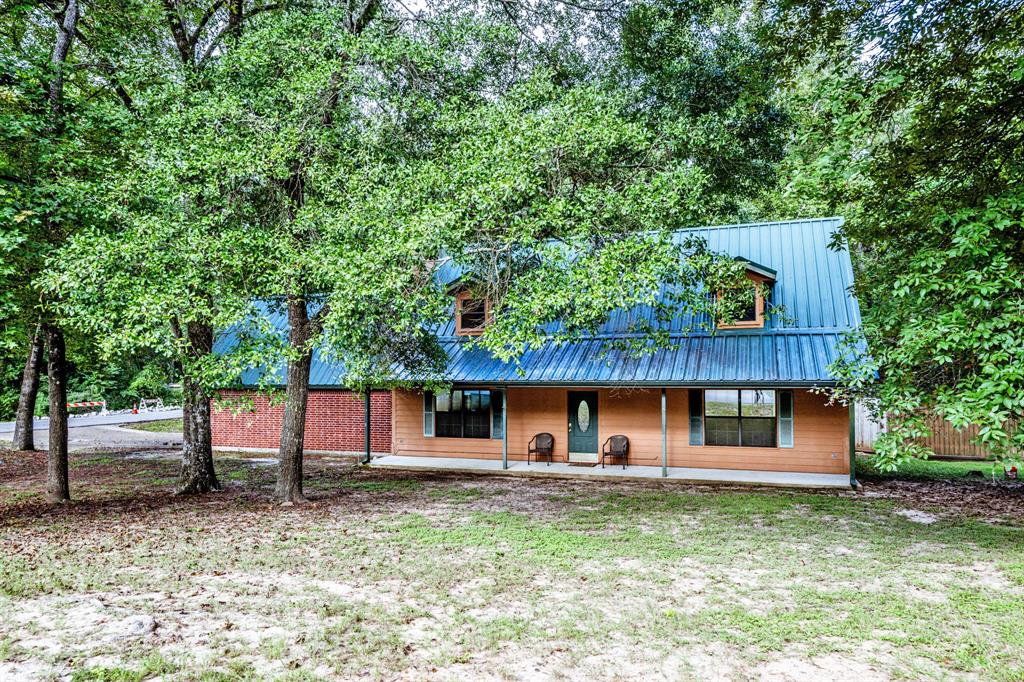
point(504, 427)
point(664, 435)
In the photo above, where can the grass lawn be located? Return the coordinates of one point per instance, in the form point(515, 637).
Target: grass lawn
point(932, 470)
point(159, 426)
point(412, 576)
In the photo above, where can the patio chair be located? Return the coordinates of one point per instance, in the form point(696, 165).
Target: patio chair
point(615, 446)
point(541, 445)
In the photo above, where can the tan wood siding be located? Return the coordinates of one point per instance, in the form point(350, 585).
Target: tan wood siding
point(821, 441)
point(636, 414)
point(408, 406)
point(821, 432)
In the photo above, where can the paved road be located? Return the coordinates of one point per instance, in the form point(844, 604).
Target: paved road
point(94, 431)
point(100, 419)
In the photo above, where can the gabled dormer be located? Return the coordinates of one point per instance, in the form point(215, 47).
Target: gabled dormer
point(762, 278)
point(472, 309)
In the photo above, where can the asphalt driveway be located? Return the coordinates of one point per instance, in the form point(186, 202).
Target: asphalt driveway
point(103, 431)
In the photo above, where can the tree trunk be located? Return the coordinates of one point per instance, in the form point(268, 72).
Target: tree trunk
point(197, 471)
point(293, 424)
point(57, 487)
point(23, 436)
point(61, 47)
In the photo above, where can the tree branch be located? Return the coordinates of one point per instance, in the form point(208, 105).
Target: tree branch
point(177, 27)
point(219, 38)
point(203, 21)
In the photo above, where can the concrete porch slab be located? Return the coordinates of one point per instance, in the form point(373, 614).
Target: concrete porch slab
point(637, 473)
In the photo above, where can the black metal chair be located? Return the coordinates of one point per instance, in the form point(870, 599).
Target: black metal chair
point(541, 445)
point(615, 446)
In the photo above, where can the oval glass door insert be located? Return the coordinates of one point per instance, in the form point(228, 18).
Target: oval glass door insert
point(583, 416)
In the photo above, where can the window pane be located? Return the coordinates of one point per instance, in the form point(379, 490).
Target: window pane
point(786, 404)
point(477, 417)
point(721, 403)
point(474, 312)
point(497, 408)
point(785, 419)
point(758, 433)
point(448, 424)
point(448, 415)
point(583, 416)
point(428, 414)
point(721, 431)
point(750, 313)
point(758, 403)
point(696, 417)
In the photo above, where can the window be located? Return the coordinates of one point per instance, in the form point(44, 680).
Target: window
point(463, 414)
point(752, 317)
point(448, 414)
point(750, 313)
point(745, 418)
point(471, 314)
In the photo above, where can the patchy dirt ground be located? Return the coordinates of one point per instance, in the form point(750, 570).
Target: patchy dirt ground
point(412, 576)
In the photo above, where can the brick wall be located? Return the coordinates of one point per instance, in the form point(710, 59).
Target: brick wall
point(334, 422)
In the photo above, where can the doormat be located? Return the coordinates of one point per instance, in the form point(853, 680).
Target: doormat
point(583, 464)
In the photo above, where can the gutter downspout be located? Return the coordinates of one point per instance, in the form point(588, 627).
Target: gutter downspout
point(664, 435)
point(504, 428)
point(853, 447)
point(366, 426)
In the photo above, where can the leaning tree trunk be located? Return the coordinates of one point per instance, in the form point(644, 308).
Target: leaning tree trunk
point(197, 472)
point(57, 486)
point(293, 424)
point(23, 437)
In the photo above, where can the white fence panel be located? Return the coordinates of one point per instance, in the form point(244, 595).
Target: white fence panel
point(867, 429)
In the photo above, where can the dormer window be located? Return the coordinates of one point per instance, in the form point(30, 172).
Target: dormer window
point(752, 317)
point(471, 314)
point(754, 311)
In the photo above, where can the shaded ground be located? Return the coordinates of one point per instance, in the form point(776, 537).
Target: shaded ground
point(411, 576)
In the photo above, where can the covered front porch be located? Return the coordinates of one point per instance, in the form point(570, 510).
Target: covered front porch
point(633, 472)
point(793, 437)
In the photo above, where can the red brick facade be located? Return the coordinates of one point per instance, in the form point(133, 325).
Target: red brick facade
point(334, 422)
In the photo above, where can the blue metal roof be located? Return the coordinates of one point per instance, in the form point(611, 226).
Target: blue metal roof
point(813, 285)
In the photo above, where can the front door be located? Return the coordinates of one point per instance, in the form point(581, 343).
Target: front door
point(582, 426)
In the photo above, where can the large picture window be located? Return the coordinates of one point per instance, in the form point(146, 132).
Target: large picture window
point(744, 418)
point(462, 414)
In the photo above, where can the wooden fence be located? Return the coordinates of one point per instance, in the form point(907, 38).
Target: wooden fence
point(867, 430)
point(945, 440)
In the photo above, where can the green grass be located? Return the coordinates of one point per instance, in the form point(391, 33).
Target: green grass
point(159, 426)
point(931, 470)
point(149, 666)
point(393, 576)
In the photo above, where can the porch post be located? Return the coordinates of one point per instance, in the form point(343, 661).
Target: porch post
point(504, 427)
point(664, 436)
point(853, 445)
point(366, 427)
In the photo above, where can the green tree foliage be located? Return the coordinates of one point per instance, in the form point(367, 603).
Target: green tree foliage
point(559, 204)
point(701, 73)
point(182, 261)
point(912, 126)
point(54, 155)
